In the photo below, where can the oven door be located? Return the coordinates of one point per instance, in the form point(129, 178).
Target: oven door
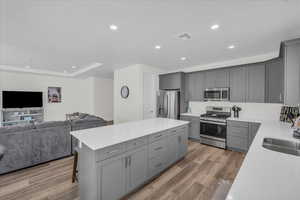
point(214, 130)
point(212, 95)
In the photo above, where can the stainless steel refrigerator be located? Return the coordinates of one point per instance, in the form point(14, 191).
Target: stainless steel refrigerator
point(168, 104)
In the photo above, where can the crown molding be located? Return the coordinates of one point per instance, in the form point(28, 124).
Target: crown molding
point(48, 72)
point(234, 62)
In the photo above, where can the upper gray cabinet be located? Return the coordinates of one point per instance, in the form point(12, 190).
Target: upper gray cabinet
point(237, 84)
point(195, 86)
point(222, 78)
point(171, 81)
point(256, 83)
point(274, 81)
point(210, 77)
point(292, 72)
point(217, 78)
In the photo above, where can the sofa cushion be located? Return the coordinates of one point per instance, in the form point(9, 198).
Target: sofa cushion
point(18, 128)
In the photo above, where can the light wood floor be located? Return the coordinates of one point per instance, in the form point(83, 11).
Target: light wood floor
point(203, 172)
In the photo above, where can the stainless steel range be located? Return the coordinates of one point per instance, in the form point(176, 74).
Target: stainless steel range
point(213, 126)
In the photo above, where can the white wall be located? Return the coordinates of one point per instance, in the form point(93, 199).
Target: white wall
point(103, 98)
point(78, 95)
point(249, 110)
point(131, 108)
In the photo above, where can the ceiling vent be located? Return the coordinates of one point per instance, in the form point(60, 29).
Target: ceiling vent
point(184, 36)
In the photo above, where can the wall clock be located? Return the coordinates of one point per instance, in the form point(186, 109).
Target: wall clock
point(124, 92)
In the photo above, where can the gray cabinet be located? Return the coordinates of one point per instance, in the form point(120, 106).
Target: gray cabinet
point(256, 83)
point(210, 78)
point(112, 178)
point(292, 72)
point(182, 142)
point(194, 126)
point(237, 84)
point(137, 168)
point(217, 78)
point(171, 81)
point(274, 81)
point(122, 174)
point(238, 136)
point(195, 86)
point(221, 78)
point(253, 128)
point(171, 150)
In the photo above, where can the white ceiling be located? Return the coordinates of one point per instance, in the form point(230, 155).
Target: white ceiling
point(57, 34)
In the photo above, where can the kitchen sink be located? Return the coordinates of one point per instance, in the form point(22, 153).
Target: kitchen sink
point(282, 146)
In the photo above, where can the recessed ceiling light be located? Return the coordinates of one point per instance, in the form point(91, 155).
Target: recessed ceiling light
point(157, 47)
point(113, 27)
point(231, 47)
point(74, 67)
point(27, 67)
point(215, 26)
point(183, 58)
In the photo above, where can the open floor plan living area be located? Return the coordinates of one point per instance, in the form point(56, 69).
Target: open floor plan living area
point(149, 100)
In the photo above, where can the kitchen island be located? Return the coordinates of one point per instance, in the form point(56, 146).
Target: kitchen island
point(117, 159)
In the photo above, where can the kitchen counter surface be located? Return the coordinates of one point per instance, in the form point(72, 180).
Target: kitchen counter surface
point(191, 114)
point(100, 137)
point(266, 174)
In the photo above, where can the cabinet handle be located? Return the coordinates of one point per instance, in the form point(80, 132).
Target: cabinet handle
point(158, 148)
point(129, 160)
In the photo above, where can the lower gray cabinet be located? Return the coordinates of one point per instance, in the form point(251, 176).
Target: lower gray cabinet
point(137, 168)
point(182, 142)
point(253, 128)
point(237, 136)
point(171, 150)
point(194, 126)
point(112, 178)
point(122, 174)
point(241, 134)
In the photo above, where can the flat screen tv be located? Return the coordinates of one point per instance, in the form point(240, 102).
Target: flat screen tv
point(22, 99)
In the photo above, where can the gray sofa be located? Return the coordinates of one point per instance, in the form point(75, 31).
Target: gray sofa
point(33, 144)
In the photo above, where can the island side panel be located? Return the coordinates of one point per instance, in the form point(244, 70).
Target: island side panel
point(87, 174)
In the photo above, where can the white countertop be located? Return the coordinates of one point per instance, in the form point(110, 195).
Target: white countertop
point(191, 114)
point(266, 174)
point(100, 137)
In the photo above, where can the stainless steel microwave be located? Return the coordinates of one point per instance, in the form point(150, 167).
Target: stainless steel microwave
point(217, 94)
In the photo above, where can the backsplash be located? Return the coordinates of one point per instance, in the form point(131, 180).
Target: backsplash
point(249, 110)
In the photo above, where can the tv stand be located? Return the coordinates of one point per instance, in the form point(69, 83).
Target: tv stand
point(17, 116)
